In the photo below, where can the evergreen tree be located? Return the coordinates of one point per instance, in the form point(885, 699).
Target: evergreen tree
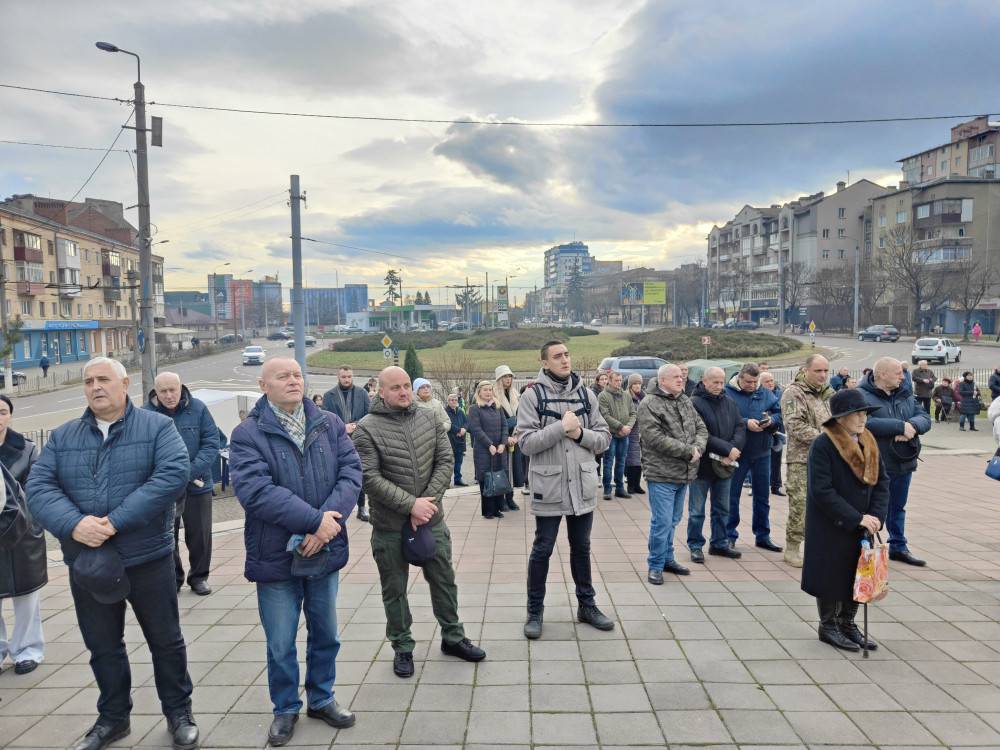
point(574, 293)
point(412, 365)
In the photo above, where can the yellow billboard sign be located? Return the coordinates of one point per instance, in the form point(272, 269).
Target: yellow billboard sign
point(655, 293)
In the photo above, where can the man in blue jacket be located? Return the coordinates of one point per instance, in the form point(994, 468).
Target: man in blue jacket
point(109, 479)
point(897, 425)
point(349, 402)
point(297, 476)
point(200, 434)
point(762, 412)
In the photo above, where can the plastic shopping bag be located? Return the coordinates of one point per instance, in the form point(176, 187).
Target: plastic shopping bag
point(871, 580)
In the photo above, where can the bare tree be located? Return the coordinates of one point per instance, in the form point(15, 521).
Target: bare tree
point(797, 281)
point(873, 287)
point(688, 285)
point(915, 273)
point(972, 279)
point(834, 287)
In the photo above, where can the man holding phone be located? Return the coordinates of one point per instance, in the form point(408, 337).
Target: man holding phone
point(762, 412)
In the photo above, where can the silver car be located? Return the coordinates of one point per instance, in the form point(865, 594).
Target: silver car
point(934, 349)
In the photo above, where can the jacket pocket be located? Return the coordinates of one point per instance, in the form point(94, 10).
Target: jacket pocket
point(546, 483)
point(588, 480)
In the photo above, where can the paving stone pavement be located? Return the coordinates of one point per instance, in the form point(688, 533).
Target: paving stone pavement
point(724, 658)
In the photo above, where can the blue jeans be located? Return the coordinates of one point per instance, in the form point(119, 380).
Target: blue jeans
point(759, 470)
point(899, 491)
point(666, 503)
point(700, 489)
point(615, 455)
point(459, 458)
point(280, 605)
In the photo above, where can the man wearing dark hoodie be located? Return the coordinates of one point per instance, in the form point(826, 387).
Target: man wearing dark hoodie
point(350, 402)
point(726, 437)
point(197, 428)
point(897, 424)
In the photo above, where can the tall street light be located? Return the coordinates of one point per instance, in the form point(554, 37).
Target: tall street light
point(215, 296)
point(147, 334)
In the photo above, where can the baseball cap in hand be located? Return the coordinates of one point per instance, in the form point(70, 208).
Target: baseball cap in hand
point(100, 571)
point(418, 544)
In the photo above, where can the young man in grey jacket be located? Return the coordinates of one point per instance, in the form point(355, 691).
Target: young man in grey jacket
point(561, 430)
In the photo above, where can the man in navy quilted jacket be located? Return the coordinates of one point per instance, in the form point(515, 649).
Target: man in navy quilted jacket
point(297, 476)
point(108, 481)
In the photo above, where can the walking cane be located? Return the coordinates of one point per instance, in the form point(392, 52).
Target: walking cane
point(864, 649)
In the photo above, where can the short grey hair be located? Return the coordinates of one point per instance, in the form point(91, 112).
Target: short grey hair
point(164, 375)
point(665, 370)
point(117, 367)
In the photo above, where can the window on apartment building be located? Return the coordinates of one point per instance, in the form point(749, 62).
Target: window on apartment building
point(90, 311)
point(840, 253)
point(841, 213)
point(41, 309)
point(967, 206)
point(901, 217)
point(944, 166)
point(826, 255)
point(52, 277)
point(826, 234)
point(26, 307)
point(930, 171)
point(881, 242)
point(924, 211)
point(52, 247)
point(958, 160)
point(881, 220)
point(27, 347)
point(961, 231)
point(79, 311)
point(841, 233)
point(67, 309)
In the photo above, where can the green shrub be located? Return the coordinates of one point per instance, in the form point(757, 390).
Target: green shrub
point(421, 340)
point(685, 343)
point(412, 364)
point(521, 338)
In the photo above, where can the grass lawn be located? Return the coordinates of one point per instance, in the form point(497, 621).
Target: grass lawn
point(587, 352)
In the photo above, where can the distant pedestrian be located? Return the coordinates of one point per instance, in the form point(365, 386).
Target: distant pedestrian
point(977, 332)
point(633, 460)
point(839, 380)
point(995, 383)
point(350, 403)
point(944, 398)
point(317, 400)
point(507, 399)
point(972, 402)
point(619, 411)
point(490, 442)
point(457, 435)
point(689, 385)
point(768, 382)
point(851, 382)
point(425, 399)
point(924, 380)
point(44, 364)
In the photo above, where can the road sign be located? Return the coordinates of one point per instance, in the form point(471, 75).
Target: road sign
point(706, 340)
point(387, 353)
point(386, 342)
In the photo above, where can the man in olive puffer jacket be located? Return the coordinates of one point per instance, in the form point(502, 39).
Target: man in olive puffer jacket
point(407, 464)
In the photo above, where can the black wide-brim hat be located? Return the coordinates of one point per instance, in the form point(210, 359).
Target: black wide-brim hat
point(848, 401)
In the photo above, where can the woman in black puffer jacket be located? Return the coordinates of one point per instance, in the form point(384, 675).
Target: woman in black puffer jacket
point(490, 433)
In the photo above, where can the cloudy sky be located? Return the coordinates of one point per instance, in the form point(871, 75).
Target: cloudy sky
point(448, 201)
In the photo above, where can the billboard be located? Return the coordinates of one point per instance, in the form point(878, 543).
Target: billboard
point(644, 293)
point(503, 303)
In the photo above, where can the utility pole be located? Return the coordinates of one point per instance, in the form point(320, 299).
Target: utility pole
point(298, 307)
point(781, 288)
point(488, 316)
point(147, 339)
point(857, 282)
point(132, 277)
point(8, 369)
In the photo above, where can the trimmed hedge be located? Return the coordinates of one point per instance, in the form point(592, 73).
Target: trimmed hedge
point(521, 338)
point(685, 343)
point(401, 341)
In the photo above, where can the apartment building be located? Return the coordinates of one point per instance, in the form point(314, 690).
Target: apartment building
point(562, 260)
point(805, 236)
point(973, 151)
point(69, 270)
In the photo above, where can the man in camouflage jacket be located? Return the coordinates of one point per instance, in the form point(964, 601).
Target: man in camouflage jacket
point(805, 406)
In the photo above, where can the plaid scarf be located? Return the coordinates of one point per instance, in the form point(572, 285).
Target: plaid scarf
point(294, 424)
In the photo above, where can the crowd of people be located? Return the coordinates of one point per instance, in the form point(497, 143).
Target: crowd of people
point(117, 485)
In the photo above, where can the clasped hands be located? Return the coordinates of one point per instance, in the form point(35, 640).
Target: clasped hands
point(328, 529)
point(93, 531)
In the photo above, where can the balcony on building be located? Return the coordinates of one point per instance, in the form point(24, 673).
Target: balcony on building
point(30, 288)
point(69, 291)
point(28, 254)
point(109, 269)
point(767, 267)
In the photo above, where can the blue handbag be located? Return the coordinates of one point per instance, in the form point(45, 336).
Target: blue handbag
point(993, 467)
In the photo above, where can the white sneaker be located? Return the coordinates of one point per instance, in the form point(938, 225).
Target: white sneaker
point(525, 490)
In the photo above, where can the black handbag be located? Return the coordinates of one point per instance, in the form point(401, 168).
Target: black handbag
point(496, 482)
point(15, 520)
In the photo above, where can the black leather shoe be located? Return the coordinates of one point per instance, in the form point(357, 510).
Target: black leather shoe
point(853, 633)
point(533, 626)
point(767, 544)
point(464, 649)
point(499, 514)
point(461, 484)
point(622, 494)
point(637, 491)
point(697, 556)
point(333, 715)
point(778, 491)
point(201, 588)
point(593, 616)
point(833, 636)
point(672, 566)
point(511, 505)
point(655, 577)
point(282, 729)
point(363, 515)
point(183, 730)
point(907, 558)
point(23, 667)
point(402, 664)
point(101, 735)
point(731, 553)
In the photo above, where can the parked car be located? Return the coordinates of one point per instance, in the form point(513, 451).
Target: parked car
point(746, 325)
point(231, 338)
point(879, 333)
point(277, 336)
point(645, 366)
point(718, 324)
point(458, 326)
point(942, 350)
point(596, 322)
point(310, 341)
point(576, 324)
point(253, 355)
point(20, 378)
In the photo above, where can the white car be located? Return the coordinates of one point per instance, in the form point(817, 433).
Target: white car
point(310, 341)
point(934, 349)
point(253, 355)
point(596, 322)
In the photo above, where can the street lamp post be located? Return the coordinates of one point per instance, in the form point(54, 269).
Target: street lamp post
point(148, 343)
point(215, 297)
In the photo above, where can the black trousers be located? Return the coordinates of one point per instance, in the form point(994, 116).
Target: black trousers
point(925, 401)
point(154, 600)
point(633, 475)
point(196, 512)
point(776, 469)
point(361, 500)
point(546, 531)
point(489, 506)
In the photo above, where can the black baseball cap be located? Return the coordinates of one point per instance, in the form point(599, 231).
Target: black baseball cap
point(418, 544)
point(100, 571)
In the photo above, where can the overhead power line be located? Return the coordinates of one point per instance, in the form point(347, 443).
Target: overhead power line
point(359, 249)
point(60, 145)
point(105, 156)
point(514, 123)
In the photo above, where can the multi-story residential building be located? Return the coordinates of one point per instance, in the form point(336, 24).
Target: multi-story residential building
point(974, 151)
point(219, 285)
point(948, 221)
point(562, 260)
point(329, 306)
point(806, 236)
point(66, 268)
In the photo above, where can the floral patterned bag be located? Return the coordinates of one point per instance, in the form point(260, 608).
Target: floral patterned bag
point(871, 580)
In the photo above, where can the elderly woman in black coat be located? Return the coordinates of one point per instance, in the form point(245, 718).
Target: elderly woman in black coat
point(23, 564)
point(847, 499)
point(489, 430)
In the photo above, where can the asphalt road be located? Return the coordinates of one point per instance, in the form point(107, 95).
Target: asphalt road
point(856, 354)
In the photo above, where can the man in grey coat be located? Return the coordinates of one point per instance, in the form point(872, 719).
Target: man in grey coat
point(561, 430)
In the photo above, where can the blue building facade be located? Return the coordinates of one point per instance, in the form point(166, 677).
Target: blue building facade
point(62, 341)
